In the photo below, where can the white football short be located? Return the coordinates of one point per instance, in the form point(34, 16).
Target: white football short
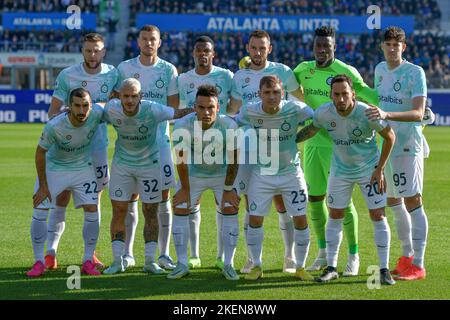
point(167, 168)
point(292, 188)
point(100, 160)
point(404, 176)
point(340, 191)
point(199, 185)
point(127, 180)
point(82, 184)
point(243, 178)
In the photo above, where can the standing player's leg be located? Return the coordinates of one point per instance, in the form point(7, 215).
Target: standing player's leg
point(195, 219)
point(229, 230)
point(118, 235)
point(131, 223)
point(287, 232)
point(376, 202)
point(295, 197)
point(351, 233)
point(165, 209)
point(413, 174)
point(316, 173)
point(56, 226)
point(38, 233)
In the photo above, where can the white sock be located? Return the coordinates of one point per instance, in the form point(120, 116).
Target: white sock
point(403, 225)
point(255, 239)
point(150, 251)
point(246, 226)
point(287, 231)
point(334, 238)
point(219, 226)
point(382, 241)
point(165, 227)
point(56, 226)
point(301, 246)
point(419, 223)
point(91, 229)
point(194, 231)
point(131, 223)
point(230, 235)
point(38, 232)
point(118, 249)
point(180, 233)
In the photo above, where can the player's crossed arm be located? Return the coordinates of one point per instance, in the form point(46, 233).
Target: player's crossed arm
point(307, 132)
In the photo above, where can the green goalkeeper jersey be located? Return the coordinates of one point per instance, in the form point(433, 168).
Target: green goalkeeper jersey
point(316, 85)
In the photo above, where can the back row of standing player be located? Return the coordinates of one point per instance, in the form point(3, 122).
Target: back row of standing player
point(160, 83)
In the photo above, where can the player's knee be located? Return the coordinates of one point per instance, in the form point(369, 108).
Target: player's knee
point(300, 222)
point(165, 195)
point(134, 197)
point(90, 208)
point(229, 210)
point(256, 221)
point(413, 202)
point(394, 201)
point(377, 214)
point(316, 198)
point(336, 213)
point(181, 211)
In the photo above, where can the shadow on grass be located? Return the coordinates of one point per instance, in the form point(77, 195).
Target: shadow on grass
point(134, 284)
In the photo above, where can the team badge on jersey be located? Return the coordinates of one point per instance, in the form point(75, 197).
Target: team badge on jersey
point(143, 129)
point(330, 199)
point(357, 132)
point(260, 121)
point(159, 83)
point(247, 80)
point(136, 75)
point(119, 122)
point(219, 89)
point(192, 85)
point(83, 84)
point(311, 71)
point(285, 126)
point(397, 86)
point(253, 206)
point(68, 137)
point(104, 88)
point(333, 124)
point(329, 80)
point(118, 193)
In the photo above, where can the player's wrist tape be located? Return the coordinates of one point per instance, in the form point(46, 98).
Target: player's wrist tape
point(227, 188)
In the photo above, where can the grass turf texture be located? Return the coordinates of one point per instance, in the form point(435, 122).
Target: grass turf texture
point(17, 177)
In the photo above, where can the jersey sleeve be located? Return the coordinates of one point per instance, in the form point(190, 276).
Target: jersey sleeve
point(62, 89)
point(242, 118)
point(297, 72)
point(235, 92)
point(180, 134)
point(117, 80)
point(181, 92)
point(106, 115)
point(47, 138)
point(378, 125)
point(162, 112)
point(304, 112)
point(173, 87)
point(419, 88)
point(317, 118)
point(363, 91)
point(289, 81)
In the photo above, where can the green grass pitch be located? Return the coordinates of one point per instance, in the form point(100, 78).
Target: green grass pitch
point(17, 177)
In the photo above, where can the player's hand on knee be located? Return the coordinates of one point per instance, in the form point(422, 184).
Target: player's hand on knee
point(182, 196)
point(230, 198)
point(41, 194)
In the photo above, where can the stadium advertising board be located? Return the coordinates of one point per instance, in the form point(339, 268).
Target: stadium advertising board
point(56, 60)
point(45, 21)
point(32, 105)
point(297, 23)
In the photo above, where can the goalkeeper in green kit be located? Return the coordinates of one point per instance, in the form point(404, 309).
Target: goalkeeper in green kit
point(315, 78)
